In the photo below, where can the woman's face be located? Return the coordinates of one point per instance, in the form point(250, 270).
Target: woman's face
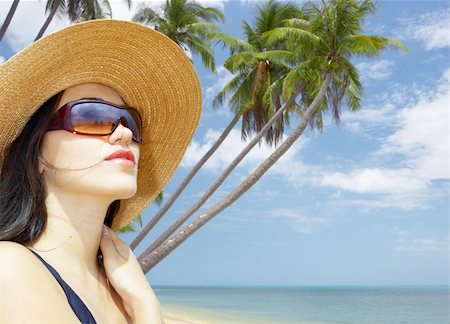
point(81, 158)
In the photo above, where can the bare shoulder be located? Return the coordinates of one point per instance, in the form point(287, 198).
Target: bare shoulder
point(28, 292)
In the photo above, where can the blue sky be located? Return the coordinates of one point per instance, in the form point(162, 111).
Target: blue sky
point(365, 203)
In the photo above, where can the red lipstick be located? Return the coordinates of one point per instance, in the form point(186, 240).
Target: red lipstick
point(123, 156)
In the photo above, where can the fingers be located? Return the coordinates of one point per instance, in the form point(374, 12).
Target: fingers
point(111, 244)
point(122, 248)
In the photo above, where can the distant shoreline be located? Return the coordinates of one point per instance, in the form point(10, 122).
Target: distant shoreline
point(305, 304)
point(302, 286)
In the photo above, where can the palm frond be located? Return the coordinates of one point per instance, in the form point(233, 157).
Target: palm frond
point(234, 43)
point(241, 100)
point(294, 35)
point(58, 5)
point(107, 6)
point(232, 86)
point(252, 37)
point(352, 72)
point(353, 100)
point(210, 14)
point(130, 227)
point(297, 23)
point(278, 56)
point(297, 75)
point(158, 201)
point(201, 47)
point(146, 15)
point(240, 60)
point(370, 46)
point(202, 29)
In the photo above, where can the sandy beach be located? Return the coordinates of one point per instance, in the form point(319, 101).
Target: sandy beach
point(190, 315)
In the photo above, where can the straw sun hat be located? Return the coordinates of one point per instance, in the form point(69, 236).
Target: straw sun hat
point(148, 70)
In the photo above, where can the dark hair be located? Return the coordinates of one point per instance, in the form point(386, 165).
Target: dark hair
point(23, 214)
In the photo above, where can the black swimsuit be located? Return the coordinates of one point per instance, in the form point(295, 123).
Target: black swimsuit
point(80, 309)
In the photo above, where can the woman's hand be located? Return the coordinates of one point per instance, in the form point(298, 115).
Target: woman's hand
point(126, 276)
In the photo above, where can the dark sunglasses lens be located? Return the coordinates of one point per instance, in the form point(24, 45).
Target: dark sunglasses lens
point(92, 118)
point(134, 123)
point(100, 119)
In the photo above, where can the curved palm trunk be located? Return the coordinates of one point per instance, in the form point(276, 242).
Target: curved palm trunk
point(8, 18)
point(46, 24)
point(172, 228)
point(150, 260)
point(183, 184)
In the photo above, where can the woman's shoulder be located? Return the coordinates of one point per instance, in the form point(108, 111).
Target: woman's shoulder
point(19, 264)
point(27, 290)
point(11, 247)
point(15, 258)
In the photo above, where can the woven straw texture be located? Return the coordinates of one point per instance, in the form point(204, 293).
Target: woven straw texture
point(145, 67)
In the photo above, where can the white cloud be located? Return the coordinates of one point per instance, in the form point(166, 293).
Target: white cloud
point(375, 70)
point(2, 59)
point(412, 153)
point(235, 219)
point(369, 203)
point(375, 180)
point(430, 244)
point(229, 149)
point(431, 28)
point(381, 116)
point(299, 222)
point(400, 232)
point(382, 112)
point(410, 157)
point(423, 136)
point(120, 9)
point(369, 120)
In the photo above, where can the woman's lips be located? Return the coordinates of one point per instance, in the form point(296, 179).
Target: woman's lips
point(122, 157)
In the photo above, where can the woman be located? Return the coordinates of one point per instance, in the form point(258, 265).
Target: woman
point(95, 119)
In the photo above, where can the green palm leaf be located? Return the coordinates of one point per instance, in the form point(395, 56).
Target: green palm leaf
point(234, 43)
point(295, 35)
point(240, 61)
point(281, 57)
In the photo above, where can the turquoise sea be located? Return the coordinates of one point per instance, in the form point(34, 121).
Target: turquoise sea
point(409, 305)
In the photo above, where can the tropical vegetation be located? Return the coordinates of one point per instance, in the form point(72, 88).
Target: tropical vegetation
point(187, 23)
point(295, 61)
point(314, 50)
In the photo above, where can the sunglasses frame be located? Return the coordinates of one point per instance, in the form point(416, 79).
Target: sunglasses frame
point(61, 120)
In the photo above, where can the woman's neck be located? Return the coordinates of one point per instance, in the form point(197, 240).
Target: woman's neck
point(72, 235)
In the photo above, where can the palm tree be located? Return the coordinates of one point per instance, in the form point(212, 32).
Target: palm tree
point(253, 76)
point(258, 65)
point(91, 9)
point(77, 11)
point(186, 23)
point(332, 35)
point(8, 18)
point(52, 7)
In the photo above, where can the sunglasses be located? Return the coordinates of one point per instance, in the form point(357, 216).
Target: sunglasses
point(96, 117)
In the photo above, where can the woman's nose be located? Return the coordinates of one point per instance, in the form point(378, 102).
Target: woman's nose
point(122, 134)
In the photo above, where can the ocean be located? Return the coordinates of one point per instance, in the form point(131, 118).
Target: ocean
point(396, 305)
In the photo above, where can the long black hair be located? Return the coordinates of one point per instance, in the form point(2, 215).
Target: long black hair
point(23, 214)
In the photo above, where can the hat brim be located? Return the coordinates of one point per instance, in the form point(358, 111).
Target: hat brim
point(147, 69)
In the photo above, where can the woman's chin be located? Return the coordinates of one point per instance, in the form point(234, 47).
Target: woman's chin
point(114, 192)
point(126, 193)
